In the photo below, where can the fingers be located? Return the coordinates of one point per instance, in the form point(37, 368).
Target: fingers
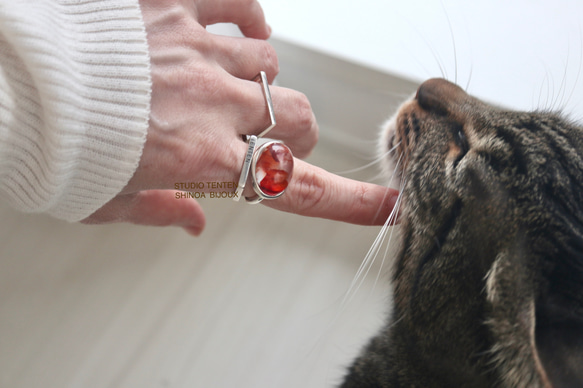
point(203, 100)
point(247, 14)
point(155, 208)
point(317, 193)
point(296, 123)
point(245, 58)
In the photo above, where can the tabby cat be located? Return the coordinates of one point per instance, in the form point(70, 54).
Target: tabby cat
point(488, 282)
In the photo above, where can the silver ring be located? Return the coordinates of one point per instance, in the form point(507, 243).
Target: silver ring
point(262, 79)
point(246, 166)
point(271, 165)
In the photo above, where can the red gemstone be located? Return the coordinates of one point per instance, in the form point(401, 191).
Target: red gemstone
point(274, 169)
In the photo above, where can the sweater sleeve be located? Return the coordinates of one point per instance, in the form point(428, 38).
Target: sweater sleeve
point(74, 102)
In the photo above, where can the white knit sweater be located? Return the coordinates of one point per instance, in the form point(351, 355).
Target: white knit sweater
point(74, 102)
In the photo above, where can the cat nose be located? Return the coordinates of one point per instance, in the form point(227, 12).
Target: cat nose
point(439, 95)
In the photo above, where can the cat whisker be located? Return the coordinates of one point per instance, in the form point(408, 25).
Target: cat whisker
point(375, 161)
point(469, 78)
point(366, 264)
point(546, 81)
point(395, 322)
point(574, 87)
point(558, 100)
point(373, 252)
point(353, 288)
point(361, 168)
point(452, 41)
point(391, 220)
point(380, 177)
point(563, 88)
point(431, 48)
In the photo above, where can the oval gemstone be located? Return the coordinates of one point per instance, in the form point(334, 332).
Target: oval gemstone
point(274, 169)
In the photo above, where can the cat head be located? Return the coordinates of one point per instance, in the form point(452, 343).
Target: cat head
point(454, 150)
point(492, 220)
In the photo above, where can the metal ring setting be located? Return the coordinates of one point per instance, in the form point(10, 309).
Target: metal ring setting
point(270, 163)
point(262, 79)
point(271, 170)
point(246, 166)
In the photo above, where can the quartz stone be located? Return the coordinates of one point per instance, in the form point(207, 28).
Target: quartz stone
point(274, 169)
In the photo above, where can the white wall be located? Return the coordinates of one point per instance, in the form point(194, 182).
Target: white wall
point(524, 54)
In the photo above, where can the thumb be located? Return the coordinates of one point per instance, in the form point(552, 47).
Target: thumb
point(152, 207)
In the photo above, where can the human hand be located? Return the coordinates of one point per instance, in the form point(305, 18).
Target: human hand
point(203, 101)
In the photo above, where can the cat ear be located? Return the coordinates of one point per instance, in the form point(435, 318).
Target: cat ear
point(511, 295)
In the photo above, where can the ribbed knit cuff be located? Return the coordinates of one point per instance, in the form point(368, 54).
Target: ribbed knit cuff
point(74, 102)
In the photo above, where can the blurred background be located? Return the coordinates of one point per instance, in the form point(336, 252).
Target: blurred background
point(260, 299)
point(523, 54)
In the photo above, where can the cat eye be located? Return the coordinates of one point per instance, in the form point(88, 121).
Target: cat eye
point(461, 141)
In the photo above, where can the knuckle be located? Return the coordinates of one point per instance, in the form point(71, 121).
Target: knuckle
point(305, 116)
point(361, 197)
point(309, 193)
point(270, 59)
point(361, 202)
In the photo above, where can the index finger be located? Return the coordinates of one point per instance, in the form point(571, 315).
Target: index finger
point(315, 192)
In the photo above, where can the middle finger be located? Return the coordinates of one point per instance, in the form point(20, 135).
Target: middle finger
point(296, 123)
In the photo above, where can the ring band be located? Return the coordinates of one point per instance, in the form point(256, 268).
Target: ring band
point(262, 79)
point(271, 163)
point(246, 166)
